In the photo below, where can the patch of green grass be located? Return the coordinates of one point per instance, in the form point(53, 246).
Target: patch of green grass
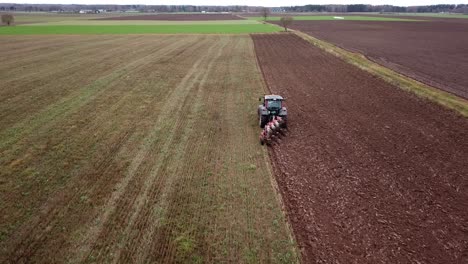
point(3, 235)
point(185, 245)
point(141, 29)
point(248, 167)
point(355, 18)
point(83, 22)
point(251, 256)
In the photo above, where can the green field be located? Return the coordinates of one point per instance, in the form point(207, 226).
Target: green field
point(76, 24)
point(79, 24)
point(84, 22)
point(141, 29)
point(355, 18)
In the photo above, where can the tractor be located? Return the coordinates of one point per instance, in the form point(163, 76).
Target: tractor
point(271, 107)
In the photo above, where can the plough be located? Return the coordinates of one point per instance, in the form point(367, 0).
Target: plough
point(272, 115)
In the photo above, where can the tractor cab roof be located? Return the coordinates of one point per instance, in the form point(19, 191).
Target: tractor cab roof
point(274, 97)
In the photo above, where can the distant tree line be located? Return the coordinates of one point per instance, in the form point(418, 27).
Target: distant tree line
point(125, 8)
point(462, 8)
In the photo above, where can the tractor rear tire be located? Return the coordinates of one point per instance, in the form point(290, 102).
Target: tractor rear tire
point(263, 120)
point(285, 122)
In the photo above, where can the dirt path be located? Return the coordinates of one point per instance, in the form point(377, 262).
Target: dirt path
point(152, 159)
point(369, 173)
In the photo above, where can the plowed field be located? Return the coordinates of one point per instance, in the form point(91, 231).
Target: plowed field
point(136, 149)
point(434, 52)
point(177, 17)
point(369, 173)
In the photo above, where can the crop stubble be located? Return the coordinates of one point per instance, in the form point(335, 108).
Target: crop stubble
point(369, 173)
point(134, 149)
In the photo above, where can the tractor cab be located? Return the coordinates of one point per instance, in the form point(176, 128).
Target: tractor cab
point(273, 103)
point(272, 106)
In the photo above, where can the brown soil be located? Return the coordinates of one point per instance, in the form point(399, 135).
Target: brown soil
point(177, 17)
point(434, 52)
point(369, 173)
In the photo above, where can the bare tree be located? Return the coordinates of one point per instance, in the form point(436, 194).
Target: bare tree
point(286, 21)
point(8, 19)
point(265, 13)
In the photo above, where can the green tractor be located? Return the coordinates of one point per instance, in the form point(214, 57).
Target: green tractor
point(272, 106)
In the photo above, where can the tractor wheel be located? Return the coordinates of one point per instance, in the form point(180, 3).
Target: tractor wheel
point(263, 120)
point(285, 122)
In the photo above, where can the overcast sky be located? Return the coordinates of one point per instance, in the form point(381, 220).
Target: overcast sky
point(243, 2)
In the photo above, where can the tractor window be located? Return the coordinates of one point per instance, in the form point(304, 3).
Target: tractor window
point(273, 104)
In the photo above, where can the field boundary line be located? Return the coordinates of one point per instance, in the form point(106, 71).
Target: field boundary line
point(420, 89)
point(272, 172)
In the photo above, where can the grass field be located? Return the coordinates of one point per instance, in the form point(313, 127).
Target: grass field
point(70, 24)
point(141, 29)
point(135, 149)
point(142, 22)
point(355, 18)
point(76, 24)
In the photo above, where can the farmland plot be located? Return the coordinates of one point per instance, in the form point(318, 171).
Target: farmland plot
point(134, 149)
point(369, 173)
point(177, 17)
point(433, 52)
